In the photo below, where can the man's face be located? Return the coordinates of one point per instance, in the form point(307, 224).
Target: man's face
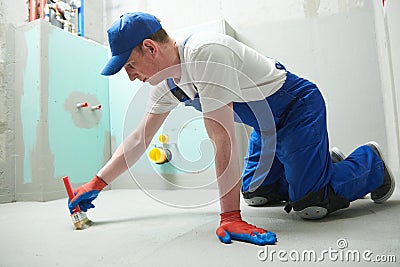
point(142, 64)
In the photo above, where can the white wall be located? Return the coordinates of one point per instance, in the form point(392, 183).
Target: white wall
point(388, 89)
point(339, 44)
point(392, 22)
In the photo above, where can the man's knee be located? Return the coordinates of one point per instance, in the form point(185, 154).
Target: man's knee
point(316, 205)
point(270, 194)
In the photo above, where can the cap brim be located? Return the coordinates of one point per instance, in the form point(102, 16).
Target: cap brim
point(115, 63)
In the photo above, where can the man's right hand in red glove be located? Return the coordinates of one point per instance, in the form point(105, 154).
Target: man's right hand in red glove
point(85, 194)
point(232, 227)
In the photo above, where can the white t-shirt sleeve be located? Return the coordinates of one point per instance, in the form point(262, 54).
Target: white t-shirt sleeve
point(161, 99)
point(215, 74)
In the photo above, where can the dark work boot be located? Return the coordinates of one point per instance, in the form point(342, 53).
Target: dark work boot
point(336, 155)
point(385, 191)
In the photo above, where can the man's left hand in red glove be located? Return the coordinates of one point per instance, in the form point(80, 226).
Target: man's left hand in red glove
point(232, 227)
point(85, 194)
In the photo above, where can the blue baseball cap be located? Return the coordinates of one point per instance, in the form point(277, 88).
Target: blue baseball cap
point(125, 34)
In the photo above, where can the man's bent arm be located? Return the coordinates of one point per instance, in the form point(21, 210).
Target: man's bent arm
point(220, 128)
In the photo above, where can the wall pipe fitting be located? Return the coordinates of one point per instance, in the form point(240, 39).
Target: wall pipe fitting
point(96, 107)
point(160, 155)
point(81, 19)
point(47, 12)
point(43, 3)
point(33, 10)
point(82, 105)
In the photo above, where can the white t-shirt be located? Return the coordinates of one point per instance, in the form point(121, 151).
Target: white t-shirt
point(223, 70)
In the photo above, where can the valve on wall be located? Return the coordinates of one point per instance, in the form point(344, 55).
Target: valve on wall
point(96, 107)
point(86, 109)
point(82, 105)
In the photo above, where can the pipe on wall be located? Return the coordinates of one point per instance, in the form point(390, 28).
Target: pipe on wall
point(42, 5)
point(32, 10)
point(81, 19)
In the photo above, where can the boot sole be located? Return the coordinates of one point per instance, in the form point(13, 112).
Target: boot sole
point(256, 201)
point(339, 156)
point(392, 181)
point(312, 213)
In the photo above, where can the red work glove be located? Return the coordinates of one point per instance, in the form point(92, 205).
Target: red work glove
point(85, 194)
point(232, 227)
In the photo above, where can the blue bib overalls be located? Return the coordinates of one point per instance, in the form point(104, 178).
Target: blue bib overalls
point(301, 165)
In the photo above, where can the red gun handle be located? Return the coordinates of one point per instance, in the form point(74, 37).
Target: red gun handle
point(70, 192)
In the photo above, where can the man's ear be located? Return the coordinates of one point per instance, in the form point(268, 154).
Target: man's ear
point(150, 45)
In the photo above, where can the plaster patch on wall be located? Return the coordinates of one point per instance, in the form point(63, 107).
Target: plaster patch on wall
point(83, 117)
point(311, 8)
point(4, 186)
point(41, 157)
point(3, 127)
point(21, 59)
point(30, 99)
point(3, 143)
point(107, 147)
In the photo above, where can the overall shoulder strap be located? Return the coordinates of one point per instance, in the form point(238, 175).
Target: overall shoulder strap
point(176, 91)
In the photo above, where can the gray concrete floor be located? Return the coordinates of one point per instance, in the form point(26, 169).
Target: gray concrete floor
point(132, 229)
